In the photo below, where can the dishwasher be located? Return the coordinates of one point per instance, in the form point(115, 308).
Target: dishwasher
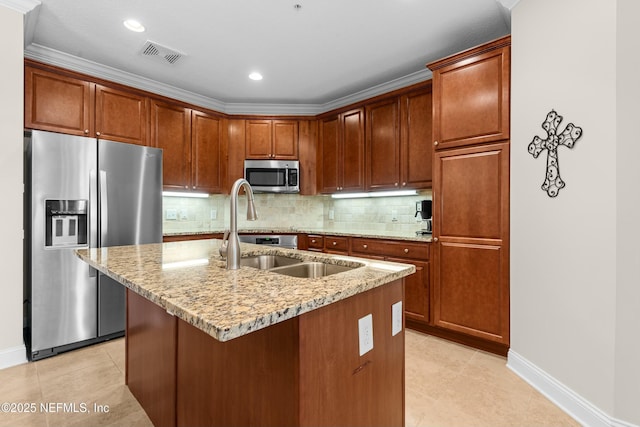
point(281, 240)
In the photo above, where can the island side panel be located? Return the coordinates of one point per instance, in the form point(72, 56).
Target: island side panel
point(337, 385)
point(151, 358)
point(251, 380)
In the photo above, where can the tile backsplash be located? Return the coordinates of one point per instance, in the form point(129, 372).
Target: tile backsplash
point(192, 215)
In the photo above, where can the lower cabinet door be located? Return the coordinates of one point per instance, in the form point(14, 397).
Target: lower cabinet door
point(416, 291)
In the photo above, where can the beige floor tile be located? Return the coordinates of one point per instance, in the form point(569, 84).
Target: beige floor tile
point(447, 385)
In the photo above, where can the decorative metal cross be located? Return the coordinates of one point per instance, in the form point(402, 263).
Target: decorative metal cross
point(552, 182)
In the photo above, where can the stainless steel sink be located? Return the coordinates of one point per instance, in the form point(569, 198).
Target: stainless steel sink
point(266, 262)
point(293, 267)
point(311, 270)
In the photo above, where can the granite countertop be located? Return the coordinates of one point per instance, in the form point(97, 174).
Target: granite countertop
point(373, 234)
point(190, 281)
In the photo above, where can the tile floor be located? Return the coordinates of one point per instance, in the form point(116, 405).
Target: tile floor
point(446, 385)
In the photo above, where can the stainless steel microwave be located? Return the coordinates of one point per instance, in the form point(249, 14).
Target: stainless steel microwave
point(273, 176)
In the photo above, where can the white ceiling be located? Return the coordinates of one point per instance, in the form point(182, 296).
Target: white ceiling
point(326, 53)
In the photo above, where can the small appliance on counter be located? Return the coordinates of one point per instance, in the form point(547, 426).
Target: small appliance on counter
point(423, 208)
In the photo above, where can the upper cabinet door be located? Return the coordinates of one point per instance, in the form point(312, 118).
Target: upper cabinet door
point(329, 153)
point(353, 150)
point(383, 145)
point(258, 139)
point(57, 103)
point(170, 130)
point(416, 148)
point(471, 96)
point(206, 135)
point(121, 116)
point(285, 139)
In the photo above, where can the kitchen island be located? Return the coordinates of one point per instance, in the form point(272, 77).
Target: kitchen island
point(210, 346)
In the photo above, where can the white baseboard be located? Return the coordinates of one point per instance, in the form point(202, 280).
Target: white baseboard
point(566, 399)
point(13, 356)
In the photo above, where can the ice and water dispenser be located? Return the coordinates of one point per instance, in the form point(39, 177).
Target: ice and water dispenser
point(66, 223)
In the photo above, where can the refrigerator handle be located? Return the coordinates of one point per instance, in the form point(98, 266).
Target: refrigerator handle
point(104, 210)
point(93, 216)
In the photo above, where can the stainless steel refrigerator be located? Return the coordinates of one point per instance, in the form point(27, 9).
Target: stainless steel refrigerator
point(82, 193)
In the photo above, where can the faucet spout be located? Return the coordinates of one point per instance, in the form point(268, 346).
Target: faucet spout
point(233, 245)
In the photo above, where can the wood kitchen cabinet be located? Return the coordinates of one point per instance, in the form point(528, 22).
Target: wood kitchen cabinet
point(208, 159)
point(382, 149)
point(416, 154)
point(471, 95)
point(336, 245)
point(417, 299)
point(470, 262)
point(192, 143)
point(271, 139)
point(471, 257)
point(171, 131)
point(341, 152)
point(59, 103)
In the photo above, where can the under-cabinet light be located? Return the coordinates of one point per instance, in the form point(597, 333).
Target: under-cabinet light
point(375, 194)
point(185, 194)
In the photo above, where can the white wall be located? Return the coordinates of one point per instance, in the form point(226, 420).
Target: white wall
point(627, 371)
point(574, 280)
point(11, 125)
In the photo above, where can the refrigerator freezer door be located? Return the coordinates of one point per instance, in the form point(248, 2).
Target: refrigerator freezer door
point(61, 295)
point(130, 187)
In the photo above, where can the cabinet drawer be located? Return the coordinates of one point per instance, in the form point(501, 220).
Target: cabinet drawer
point(392, 248)
point(333, 243)
point(316, 241)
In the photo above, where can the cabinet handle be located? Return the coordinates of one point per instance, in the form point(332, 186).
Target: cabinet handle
point(435, 143)
point(333, 243)
point(86, 131)
point(313, 241)
point(406, 250)
point(396, 184)
point(404, 184)
point(97, 133)
point(364, 246)
point(434, 240)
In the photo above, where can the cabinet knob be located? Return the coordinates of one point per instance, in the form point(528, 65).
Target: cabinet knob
point(404, 184)
point(396, 184)
point(435, 143)
point(97, 133)
point(313, 241)
point(434, 240)
point(86, 131)
point(333, 243)
point(364, 246)
point(406, 250)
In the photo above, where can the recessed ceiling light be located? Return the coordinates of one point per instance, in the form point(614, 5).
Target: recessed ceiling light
point(255, 76)
point(134, 25)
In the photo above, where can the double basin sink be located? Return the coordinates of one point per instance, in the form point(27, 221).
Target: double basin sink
point(292, 266)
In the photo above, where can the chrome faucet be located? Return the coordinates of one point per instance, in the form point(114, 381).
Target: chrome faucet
point(233, 243)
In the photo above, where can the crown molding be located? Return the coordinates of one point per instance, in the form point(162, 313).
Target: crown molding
point(64, 60)
point(22, 6)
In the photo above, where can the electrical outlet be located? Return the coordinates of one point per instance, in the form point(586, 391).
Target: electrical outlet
point(214, 214)
point(332, 214)
point(396, 318)
point(365, 333)
point(171, 214)
point(183, 215)
point(394, 215)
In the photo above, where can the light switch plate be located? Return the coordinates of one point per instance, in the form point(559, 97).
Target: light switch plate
point(396, 318)
point(214, 214)
point(183, 215)
point(365, 333)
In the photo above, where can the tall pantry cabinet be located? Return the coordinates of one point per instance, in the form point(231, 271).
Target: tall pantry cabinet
point(470, 259)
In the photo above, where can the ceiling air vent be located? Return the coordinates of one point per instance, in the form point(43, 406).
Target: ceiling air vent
point(163, 53)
